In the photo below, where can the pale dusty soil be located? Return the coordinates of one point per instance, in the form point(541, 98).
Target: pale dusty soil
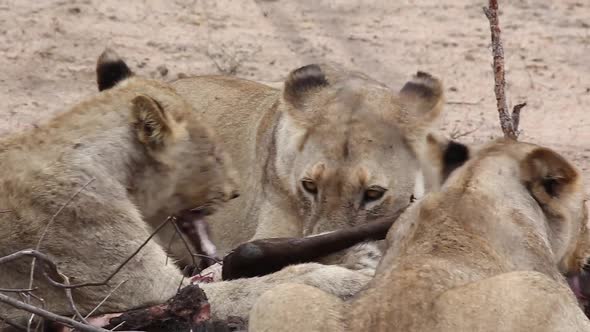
point(48, 50)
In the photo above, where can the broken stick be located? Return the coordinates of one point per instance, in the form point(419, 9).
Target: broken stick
point(508, 121)
point(261, 257)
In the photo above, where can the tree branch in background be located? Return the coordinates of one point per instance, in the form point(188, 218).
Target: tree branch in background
point(508, 121)
point(50, 271)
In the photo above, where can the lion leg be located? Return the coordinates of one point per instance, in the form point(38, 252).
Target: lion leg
point(297, 307)
point(237, 297)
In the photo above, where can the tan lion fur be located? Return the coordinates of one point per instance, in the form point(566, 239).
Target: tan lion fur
point(341, 129)
point(353, 272)
point(488, 252)
point(144, 153)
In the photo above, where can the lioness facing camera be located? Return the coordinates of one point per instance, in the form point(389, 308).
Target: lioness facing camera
point(332, 149)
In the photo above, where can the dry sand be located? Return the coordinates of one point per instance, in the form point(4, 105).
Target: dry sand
point(48, 50)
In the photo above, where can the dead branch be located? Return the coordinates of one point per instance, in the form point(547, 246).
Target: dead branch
point(48, 315)
point(42, 237)
point(13, 324)
point(52, 269)
point(179, 233)
point(458, 134)
point(105, 299)
point(70, 298)
point(508, 122)
point(516, 114)
point(17, 290)
point(187, 224)
point(470, 103)
point(57, 213)
point(49, 269)
point(265, 256)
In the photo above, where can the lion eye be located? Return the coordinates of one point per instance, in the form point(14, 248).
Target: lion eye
point(374, 193)
point(309, 186)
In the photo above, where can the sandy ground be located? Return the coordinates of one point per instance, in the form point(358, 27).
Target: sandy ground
point(48, 50)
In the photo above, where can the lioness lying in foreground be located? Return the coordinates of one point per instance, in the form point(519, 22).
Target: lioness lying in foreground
point(486, 253)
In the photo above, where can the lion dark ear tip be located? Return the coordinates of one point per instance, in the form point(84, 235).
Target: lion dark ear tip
point(423, 74)
point(311, 66)
point(456, 153)
point(312, 71)
point(301, 81)
point(111, 69)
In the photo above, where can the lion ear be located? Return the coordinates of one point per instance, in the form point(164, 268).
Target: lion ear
point(301, 82)
point(548, 175)
point(110, 70)
point(449, 154)
point(423, 95)
point(150, 121)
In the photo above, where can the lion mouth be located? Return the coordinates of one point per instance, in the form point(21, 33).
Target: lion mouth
point(580, 286)
point(201, 211)
point(193, 224)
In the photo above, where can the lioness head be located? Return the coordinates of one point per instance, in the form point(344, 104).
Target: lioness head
point(556, 194)
point(351, 150)
point(187, 168)
point(557, 187)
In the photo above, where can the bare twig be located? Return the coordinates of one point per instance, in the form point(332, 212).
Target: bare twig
point(117, 326)
point(48, 315)
point(53, 267)
point(42, 237)
point(509, 127)
point(71, 299)
point(178, 232)
point(463, 102)
point(13, 324)
point(170, 246)
point(50, 268)
point(17, 290)
point(187, 246)
point(28, 296)
point(516, 114)
point(5, 211)
point(457, 134)
point(105, 299)
point(57, 213)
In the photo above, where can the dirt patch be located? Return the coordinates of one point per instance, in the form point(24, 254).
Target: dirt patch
point(48, 50)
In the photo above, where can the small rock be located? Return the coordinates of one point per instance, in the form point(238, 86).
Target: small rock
point(74, 10)
point(162, 70)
